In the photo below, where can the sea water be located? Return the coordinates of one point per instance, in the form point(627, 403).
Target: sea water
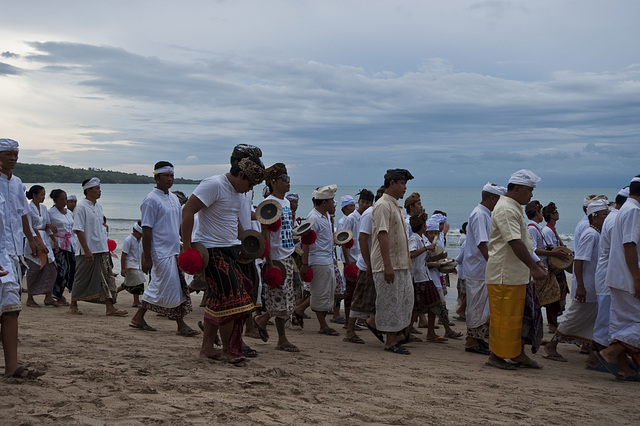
point(121, 204)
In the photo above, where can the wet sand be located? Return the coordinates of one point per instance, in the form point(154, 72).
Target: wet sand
point(101, 371)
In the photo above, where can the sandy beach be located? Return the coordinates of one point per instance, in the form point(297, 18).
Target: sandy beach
point(101, 371)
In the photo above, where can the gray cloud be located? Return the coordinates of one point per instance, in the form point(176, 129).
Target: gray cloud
point(6, 69)
point(9, 55)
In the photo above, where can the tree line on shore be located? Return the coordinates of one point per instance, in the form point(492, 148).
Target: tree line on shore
point(63, 174)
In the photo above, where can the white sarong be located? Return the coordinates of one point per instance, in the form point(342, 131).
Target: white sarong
point(164, 286)
point(322, 288)
point(477, 312)
point(394, 302)
point(625, 318)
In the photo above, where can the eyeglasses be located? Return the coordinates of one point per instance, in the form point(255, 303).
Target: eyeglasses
point(284, 178)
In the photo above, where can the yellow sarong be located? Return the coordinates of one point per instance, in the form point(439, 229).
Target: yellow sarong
point(506, 306)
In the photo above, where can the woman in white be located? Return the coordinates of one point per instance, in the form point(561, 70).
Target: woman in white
point(63, 241)
point(41, 273)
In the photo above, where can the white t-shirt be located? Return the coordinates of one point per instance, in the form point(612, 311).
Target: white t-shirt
point(87, 217)
point(535, 232)
point(133, 248)
point(366, 227)
point(218, 220)
point(580, 227)
point(419, 269)
point(587, 251)
point(603, 253)
point(550, 237)
point(162, 213)
point(321, 252)
point(352, 223)
point(15, 206)
point(281, 242)
point(64, 224)
point(39, 219)
point(245, 210)
point(626, 229)
point(478, 229)
point(460, 259)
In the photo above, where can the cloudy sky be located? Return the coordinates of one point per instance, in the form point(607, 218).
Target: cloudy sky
point(458, 92)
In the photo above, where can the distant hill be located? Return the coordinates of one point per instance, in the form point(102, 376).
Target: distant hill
point(64, 174)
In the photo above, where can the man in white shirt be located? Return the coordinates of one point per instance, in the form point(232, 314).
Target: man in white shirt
point(577, 324)
point(601, 336)
point(218, 200)
point(584, 222)
point(319, 257)
point(623, 279)
point(93, 281)
point(14, 226)
point(476, 254)
point(167, 292)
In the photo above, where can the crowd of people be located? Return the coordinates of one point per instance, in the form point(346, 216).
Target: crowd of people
point(388, 269)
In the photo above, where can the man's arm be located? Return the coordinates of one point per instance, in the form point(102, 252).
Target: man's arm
point(28, 233)
point(363, 240)
point(88, 256)
point(193, 206)
point(484, 250)
point(520, 250)
point(383, 241)
point(631, 259)
point(581, 292)
point(123, 260)
point(147, 262)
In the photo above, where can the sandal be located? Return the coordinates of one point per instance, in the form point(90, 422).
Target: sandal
point(398, 349)
point(354, 339)
point(329, 332)
point(299, 318)
point(143, 326)
point(31, 374)
point(248, 352)
point(288, 348)
point(453, 335)
point(375, 332)
point(188, 332)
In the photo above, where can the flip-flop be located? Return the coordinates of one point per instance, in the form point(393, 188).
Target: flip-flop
point(248, 352)
point(478, 350)
point(144, 326)
point(438, 339)
point(300, 319)
point(288, 348)
point(600, 368)
point(54, 304)
point(375, 332)
point(558, 358)
point(31, 374)
point(354, 339)
point(635, 378)
point(398, 349)
point(530, 364)
point(613, 368)
point(340, 320)
point(188, 332)
point(329, 332)
point(118, 313)
point(264, 335)
point(504, 365)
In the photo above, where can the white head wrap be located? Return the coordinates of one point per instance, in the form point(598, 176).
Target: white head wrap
point(346, 200)
point(164, 169)
point(72, 197)
point(597, 205)
point(635, 179)
point(439, 218)
point(8, 145)
point(94, 181)
point(624, 192)
point(292, 196)
point(494, 189)
point(326, 192)
point(137, 228)
point(433, 225)
point(591, 198)
point(525, 177)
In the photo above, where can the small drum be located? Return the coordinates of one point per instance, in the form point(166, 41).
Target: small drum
point(557, 265)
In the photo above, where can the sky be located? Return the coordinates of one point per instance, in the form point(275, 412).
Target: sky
point(457, 92)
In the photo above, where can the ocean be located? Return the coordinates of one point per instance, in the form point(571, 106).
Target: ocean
point(121, 204)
